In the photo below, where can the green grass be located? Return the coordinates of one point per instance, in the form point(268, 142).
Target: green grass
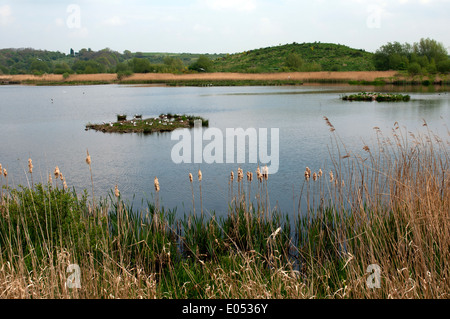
point(317, 56)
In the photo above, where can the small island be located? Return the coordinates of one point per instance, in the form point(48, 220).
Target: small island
point(162, 123)
point(379, 97)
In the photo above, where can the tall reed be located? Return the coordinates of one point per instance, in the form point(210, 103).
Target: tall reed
point(385, 205)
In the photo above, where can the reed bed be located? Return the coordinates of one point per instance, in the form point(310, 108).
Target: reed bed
point(386, 207)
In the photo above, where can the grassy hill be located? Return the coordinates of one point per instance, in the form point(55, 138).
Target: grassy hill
point(316, 57)
point(306, 56)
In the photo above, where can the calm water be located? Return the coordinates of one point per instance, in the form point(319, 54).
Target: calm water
point(47, 124)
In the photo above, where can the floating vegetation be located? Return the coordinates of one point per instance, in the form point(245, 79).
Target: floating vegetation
point(162, 123)
point(379, 97)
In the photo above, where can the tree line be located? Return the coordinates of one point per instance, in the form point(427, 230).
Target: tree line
point(424, 57)
point(87, 61)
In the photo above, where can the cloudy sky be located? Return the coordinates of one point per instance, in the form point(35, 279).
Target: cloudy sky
point(218, 26)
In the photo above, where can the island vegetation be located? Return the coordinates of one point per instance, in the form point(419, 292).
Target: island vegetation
point(379, 97)
point(162, 123)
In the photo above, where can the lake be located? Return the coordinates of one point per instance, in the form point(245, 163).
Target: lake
point(48, 125)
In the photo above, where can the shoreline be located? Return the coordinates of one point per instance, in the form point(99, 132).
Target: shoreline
point(351, 78)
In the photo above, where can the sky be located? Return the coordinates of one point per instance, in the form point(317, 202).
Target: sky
point(218, 26)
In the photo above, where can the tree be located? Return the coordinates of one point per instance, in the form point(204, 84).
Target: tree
point(39, 66)
point(392, 56)
point(431, 49)
point(294, 61)
point(443, 66)
point(203, 64)
point(140, 65)
point(414, 68)
point(61, 68)
point(127, 54)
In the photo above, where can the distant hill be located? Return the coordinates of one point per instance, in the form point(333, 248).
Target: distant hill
point(316, 57)
point(290, 57)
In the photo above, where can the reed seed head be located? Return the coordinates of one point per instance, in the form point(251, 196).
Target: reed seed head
point(320, 173)
point(315, 176)
point(266, 173)
point(307, 174)
point(88, 158)
point(61, 177)
point(191, 178)
point(240, 174)
point(331, 176)
point(200, 176)
point(157, 184)
point(5, 172)
point(258, 174)
point(50, 180)
point(56, 173)
point(332, 129)
point(30, 166)
point(65, 184)
point(232, 176)
point(116, 191)
point(1, 168)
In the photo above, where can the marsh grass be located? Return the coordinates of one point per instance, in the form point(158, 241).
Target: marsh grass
point(387, 204)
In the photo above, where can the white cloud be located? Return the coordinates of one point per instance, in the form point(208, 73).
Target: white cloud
point(269, 27)
point(5, 15)
point(114, 22)
point(59, 22)
point(235, 5)
point(79, 33)
point(202, 28)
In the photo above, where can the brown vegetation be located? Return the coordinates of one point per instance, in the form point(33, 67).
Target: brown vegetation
point(301, 76)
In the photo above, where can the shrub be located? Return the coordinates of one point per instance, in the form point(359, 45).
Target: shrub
point(444, 66)
point(414, 68)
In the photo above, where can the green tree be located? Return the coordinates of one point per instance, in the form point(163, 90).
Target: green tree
point(203, 64)
point(61, 68)
point(414, 68)
point(431, 67)
point(294, 61)
point(174, 64)
point(39, 66)
point(392, 56)
point(443, 66)
point(140, 65)
point(431, 49)
point(127, 54)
